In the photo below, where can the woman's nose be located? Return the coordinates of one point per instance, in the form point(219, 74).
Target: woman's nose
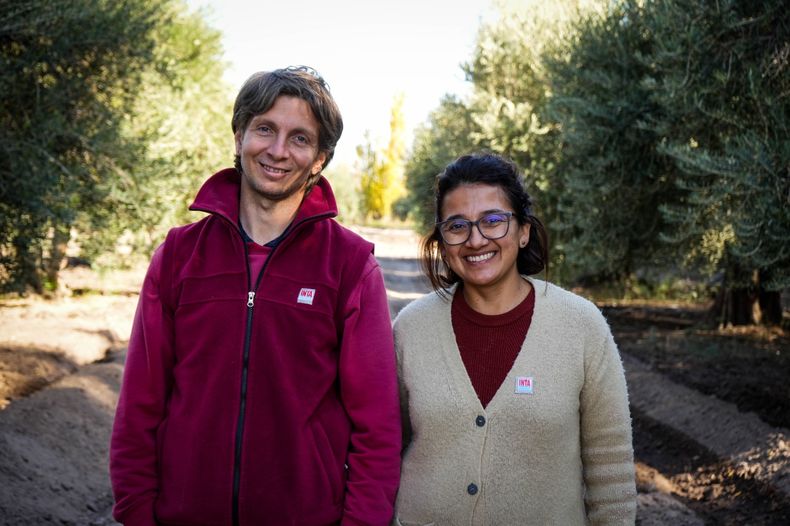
point(476, 238)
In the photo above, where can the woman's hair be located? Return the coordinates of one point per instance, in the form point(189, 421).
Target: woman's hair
point(493, 170)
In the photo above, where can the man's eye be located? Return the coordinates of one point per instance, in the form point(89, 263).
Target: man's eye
point(264, 129)
point(301, 139)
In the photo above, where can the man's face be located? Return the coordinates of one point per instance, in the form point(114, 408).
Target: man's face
point(279, 150)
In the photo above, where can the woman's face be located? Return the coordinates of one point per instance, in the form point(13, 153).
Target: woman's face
point(480, 262)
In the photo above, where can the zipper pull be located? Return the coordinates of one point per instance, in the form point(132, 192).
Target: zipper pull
point(251, 299)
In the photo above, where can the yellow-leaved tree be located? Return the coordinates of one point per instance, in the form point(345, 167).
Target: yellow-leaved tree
point(382, 180)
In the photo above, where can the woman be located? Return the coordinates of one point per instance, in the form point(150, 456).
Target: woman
point(515, 407)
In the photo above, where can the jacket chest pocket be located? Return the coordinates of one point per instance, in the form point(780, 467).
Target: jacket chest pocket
point(198, 290)
point(310, 298)
point(210, 313)
point(298, 314)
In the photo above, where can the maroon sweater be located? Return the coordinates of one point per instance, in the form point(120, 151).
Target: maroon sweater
point(489, 344)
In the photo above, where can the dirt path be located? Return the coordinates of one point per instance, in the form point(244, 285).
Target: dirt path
point(60, 369)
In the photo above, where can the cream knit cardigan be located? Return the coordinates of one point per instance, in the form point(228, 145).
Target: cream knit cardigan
point(561, 454)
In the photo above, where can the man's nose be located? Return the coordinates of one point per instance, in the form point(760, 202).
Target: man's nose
point(278, 148)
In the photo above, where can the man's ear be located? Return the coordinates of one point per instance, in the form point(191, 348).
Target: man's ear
point(318, 164)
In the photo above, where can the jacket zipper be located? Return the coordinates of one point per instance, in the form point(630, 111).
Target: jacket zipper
point(244, 371)
point(251, 291)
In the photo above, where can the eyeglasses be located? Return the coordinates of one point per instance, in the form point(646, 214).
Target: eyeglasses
point(491, 226)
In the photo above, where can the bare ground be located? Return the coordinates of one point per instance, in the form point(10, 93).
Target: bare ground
point(711, 409)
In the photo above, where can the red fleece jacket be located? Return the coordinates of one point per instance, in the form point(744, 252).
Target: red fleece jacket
point(259, 400)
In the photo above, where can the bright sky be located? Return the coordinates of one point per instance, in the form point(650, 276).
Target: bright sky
point(368, 51)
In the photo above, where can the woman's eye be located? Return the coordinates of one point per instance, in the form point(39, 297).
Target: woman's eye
point(456, 226)
point(301, 139)
point(493, 220)
point(264, 129)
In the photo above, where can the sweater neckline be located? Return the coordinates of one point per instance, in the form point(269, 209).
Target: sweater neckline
point(462, 308)
point(461, 381)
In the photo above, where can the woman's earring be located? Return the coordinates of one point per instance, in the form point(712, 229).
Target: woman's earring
point(522, 244)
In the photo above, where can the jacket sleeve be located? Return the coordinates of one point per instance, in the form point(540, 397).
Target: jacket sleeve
point(369, 392)
point(141, 405)
point(606, 442)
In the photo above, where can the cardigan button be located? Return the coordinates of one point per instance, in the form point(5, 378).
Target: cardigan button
point(480, 420)
point(472, 489)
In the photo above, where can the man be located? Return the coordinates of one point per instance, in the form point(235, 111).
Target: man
point(260, 383)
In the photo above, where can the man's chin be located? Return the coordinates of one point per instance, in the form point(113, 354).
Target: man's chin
point(277, 195)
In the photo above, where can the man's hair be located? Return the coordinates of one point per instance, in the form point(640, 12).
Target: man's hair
point(259, 92)
point(493, 170)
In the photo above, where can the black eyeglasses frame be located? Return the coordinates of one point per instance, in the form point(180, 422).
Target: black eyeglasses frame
point(471, 224)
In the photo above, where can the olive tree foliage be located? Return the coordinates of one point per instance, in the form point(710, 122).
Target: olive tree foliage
point(723, 78)
point(76, 135)
point(68, 71)
point(448, 132)
point(344, 177)
point(653, 136)
point(612, 177)
point(510, 84)
point(674, 129)
point(506, 110)
point(180, 124)
point(510, 98)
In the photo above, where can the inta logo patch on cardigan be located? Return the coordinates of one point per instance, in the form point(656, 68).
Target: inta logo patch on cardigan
point(524, 385)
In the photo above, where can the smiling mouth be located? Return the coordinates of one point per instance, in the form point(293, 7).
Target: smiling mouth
point(274, 170)
point(480, 257)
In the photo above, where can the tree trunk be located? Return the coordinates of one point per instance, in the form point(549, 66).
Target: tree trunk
point(770, 302)
point(743, 300)
point(57, 251)
point(733, 306)
point(25, 275)
point(770, 307)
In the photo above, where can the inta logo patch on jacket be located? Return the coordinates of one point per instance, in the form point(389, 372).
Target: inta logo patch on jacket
point(306, 296)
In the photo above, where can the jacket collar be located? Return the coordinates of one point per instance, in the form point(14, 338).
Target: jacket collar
point(220, 195)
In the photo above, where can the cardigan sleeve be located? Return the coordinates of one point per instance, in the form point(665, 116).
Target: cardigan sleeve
point(606, 441)
point(403, 391)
